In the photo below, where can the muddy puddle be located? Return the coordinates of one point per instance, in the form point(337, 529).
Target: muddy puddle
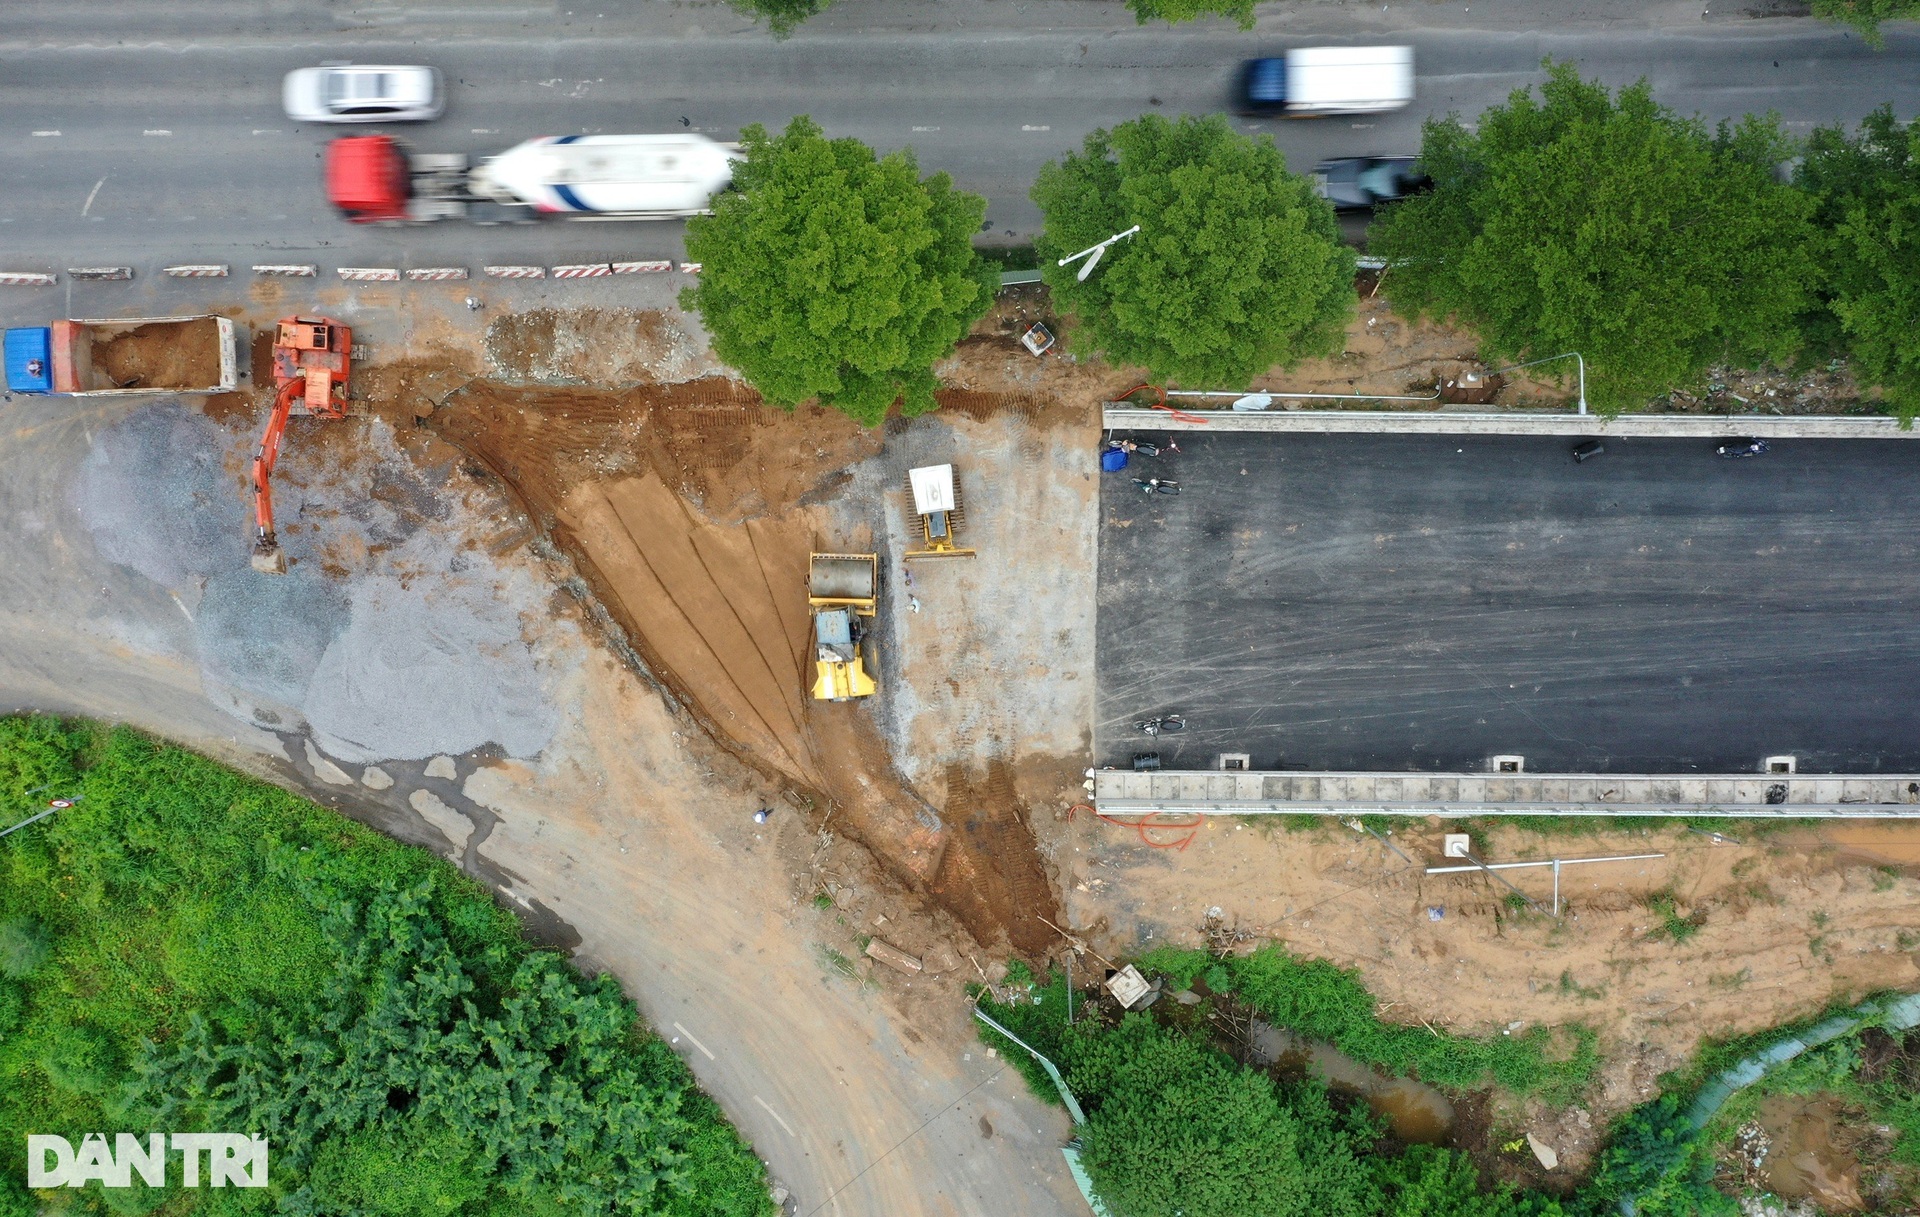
point(1414, 1111)
point(1802, 1161)
point(1879, 843)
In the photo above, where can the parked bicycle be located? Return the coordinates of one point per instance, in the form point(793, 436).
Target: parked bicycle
point(1131, 446)
point(1156, 486)
point(1166, 724)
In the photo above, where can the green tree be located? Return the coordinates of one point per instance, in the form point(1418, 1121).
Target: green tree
point(836, 275)
point(1238, 265)
point(1609, 226)
point(23, 946)
point(1174, 11)
point(1866, 193)
point(781, 16)
point(1174, 1127)
point(1866, 15)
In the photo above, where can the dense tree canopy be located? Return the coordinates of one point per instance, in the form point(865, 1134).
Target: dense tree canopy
point(188, 949)
point(781, 16)
point(1866, 194)
point(1172, 11)
point(836, 275)
point(1238, 264)
point(1866, 15)
point(1577, 221)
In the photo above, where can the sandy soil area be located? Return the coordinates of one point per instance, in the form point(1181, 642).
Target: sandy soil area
point(161, 357)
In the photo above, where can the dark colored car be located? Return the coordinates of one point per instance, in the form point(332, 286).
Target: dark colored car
point(1359, 182)
point(1734, 449)
point(1587, 451)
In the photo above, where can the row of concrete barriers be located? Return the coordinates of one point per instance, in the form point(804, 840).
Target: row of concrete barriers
point(355, 274)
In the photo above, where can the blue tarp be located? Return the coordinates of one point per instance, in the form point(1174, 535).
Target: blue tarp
point(1113, 460)
point(27, 350)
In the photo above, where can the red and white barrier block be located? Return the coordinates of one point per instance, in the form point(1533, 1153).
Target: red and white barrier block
point(198, 270)
point(590, 270)
point(100, 272)
point(436, 274)
point(641, 268)
point(515, 272)
point(27, 278)
point(291, 270)
point(369, 274)
point(689, 268)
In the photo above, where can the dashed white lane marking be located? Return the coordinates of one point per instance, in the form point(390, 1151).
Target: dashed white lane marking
point(486, 131)
point(266, 131)
point(926, 128)
point(90, 197)
point(1043, 127)
point(774, 1114)
point(696, 1043)
point(157, 131)
point(45, 134)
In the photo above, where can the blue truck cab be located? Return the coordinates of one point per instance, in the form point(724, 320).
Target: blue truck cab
point(30, 360)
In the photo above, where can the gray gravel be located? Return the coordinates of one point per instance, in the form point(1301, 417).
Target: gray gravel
point(427, 647)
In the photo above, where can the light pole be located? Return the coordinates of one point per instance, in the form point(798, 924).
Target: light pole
point(1097, 251)
point(1549, 359)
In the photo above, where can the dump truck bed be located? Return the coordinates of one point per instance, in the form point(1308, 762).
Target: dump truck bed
point(128, 356)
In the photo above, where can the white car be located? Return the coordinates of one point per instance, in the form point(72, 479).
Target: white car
point(363, 93)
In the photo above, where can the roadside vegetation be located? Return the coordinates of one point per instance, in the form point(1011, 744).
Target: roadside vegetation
point(1238, 264)
point(1182, 1120)
point(1608, 225)
point(1866, 15)
point(188, 949)
point(837, 275)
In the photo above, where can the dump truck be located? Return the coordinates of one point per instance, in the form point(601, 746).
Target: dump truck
point(843, 592)
point(125, 357)
point(936, 501)
point(376, 179)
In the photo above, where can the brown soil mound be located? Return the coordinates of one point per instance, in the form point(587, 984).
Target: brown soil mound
point(162, 356)
point(715, 600)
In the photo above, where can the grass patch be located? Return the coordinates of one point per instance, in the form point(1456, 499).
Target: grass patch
point(188, 949)
point(1672, 925)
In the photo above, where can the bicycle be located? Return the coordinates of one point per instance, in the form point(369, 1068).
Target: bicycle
point(1166, 724)
point(1131, 446)
point(1156, 486)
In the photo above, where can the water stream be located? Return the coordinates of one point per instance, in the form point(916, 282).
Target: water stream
point(1414, 1111)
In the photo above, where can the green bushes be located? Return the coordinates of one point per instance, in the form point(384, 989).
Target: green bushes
point(217, 954)
point(1325, 1002)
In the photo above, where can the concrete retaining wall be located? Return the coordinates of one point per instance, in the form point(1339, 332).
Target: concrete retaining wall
point(1453, 422)
point(1754, 796)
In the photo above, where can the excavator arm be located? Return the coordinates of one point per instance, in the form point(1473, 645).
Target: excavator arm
point(267, 556)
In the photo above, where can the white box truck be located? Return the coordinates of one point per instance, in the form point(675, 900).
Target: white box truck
point(1308, 82)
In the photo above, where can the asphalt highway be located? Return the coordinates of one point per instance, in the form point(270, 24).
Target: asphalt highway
point(174, 146)
point(1427, 602)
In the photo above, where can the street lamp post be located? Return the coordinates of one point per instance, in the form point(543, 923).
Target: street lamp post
point(1097, 251)
point(1549, 359)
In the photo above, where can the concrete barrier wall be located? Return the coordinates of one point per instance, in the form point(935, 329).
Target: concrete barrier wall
point(1460, 422)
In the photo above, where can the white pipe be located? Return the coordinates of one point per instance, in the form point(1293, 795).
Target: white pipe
point(1555, 863)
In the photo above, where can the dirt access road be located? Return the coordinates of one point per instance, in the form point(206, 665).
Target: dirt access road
point(399, 671)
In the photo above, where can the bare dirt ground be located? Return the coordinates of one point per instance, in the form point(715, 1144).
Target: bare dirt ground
point(1784, 926)
point(586, 475)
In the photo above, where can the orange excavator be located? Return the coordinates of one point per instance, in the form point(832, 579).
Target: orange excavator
point(311, 359)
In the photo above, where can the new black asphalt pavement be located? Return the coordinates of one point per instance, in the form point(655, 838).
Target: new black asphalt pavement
point(1423, 603)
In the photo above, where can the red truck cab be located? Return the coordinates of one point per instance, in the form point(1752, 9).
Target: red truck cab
point(368, 178)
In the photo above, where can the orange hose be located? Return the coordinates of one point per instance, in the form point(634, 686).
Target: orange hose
point(1143, 827)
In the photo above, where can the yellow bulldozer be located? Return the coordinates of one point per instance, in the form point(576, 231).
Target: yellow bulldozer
point(843, 592)
point(936, 500)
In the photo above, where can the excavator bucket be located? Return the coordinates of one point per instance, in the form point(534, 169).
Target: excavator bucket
point(269, 559)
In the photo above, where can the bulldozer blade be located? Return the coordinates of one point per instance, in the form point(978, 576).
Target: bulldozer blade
point(911, 554)
point(270, 561)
